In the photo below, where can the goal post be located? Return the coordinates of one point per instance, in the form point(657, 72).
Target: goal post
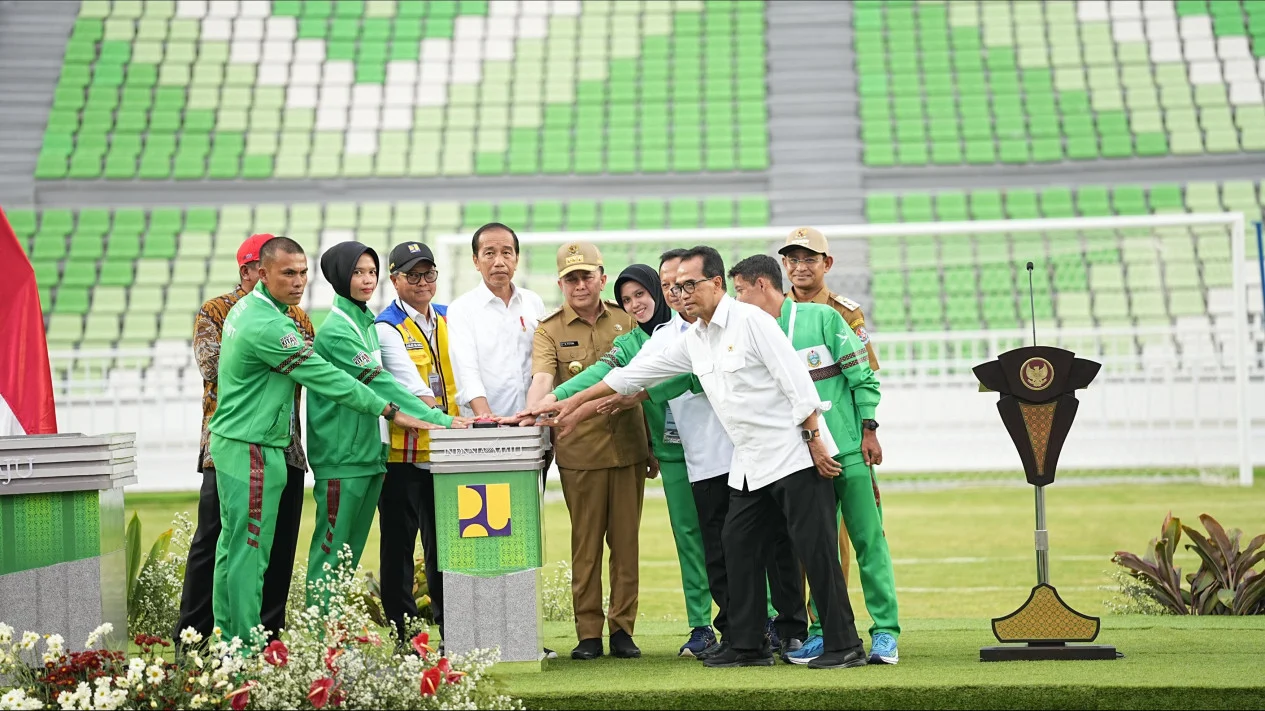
point(1161, 300)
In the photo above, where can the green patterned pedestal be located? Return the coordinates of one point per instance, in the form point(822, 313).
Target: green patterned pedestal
point(62, 562)
point(488, 521)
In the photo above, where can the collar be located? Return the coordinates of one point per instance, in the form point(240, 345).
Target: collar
point(489, 296)
point(787, 303)
point(239, 291)
point(720, 317)
point(261, 292)
point(569, 315)
point(821, 297)
point(428, 317)
point(352, 309)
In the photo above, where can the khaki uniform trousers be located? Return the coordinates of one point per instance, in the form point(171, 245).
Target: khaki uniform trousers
point(604, 504)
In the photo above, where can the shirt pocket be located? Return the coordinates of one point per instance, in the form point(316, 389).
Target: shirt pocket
point(570, 355)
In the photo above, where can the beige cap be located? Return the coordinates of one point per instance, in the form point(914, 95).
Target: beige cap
point(574, 256)
point(806, 238)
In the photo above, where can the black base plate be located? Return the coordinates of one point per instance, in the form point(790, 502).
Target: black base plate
point(1047, 652)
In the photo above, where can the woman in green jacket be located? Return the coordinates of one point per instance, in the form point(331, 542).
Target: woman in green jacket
point(639, 293)
point(348, 450)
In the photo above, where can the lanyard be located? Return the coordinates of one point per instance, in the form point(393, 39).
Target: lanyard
point(363, 341)
point(432, 347)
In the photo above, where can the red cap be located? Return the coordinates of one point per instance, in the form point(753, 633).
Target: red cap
point(249, 251)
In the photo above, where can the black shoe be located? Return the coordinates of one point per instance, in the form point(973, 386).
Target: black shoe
point(622, 646)
point(770, 633)
point(793, 644)
point(731, 657)
point(839, 660)
point(713, 650)
point(588, 649)
point(550, 654)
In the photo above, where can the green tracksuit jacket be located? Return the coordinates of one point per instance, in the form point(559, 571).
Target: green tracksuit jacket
point(344, 443)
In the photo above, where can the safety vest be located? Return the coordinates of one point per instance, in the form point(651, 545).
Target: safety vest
point(407, 446)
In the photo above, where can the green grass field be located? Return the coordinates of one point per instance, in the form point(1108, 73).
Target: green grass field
point(962, 556)
point(958, 552)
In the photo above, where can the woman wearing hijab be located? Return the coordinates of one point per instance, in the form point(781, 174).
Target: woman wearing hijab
point(639, 293)
point(348, 450)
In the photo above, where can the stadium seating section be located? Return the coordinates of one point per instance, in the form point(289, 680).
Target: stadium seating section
point(223, 89)
point(1102, 278)
point(130, 277)
point(955, 82)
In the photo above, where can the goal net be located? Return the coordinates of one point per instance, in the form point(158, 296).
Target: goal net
point(1169, 304)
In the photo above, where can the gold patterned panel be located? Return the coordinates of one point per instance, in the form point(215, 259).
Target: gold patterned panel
point(1039, 419)
point(1045, 617)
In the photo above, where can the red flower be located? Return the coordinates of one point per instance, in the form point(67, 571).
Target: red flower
point(319, 692)
point(445, 668)
point(431, 679)
point(421, 644)
point(276, 653)
point(330, 655)
point(241, 697)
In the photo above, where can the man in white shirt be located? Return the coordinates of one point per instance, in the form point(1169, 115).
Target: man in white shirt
point(781, 468)
point(491, 329)
point(413, 336)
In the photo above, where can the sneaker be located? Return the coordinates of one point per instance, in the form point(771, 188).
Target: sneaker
point(587, 649)
point(716, 648)
point(883, 649)
point(550, 654)
point(731, 657)
point(810, 651)
point(700, 639)
point(794, 644)
point(622, 646)
point(839, 660)
point(770, 633)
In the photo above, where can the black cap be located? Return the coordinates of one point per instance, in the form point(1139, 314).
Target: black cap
point(405, 255)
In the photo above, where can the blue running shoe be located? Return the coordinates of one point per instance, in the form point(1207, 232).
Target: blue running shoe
point(700, 638)
point(883, 649)
point(770, 633)
point(810, 651)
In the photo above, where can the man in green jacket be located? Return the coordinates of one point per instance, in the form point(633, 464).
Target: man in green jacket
point(840, 367)
point(347, 448)
point(638, 292)
point(262, 356)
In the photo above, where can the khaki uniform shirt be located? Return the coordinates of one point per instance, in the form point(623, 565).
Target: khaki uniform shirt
point(851, 313)
point(563, 346)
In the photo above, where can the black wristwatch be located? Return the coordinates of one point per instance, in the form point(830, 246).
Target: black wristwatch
point(870, 424)
point(809, 435)
point(392, 409)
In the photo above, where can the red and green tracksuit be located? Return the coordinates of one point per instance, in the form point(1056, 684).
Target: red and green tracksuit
point(849, 391)
point(667, 448)
point(346, 448)
point(262, 356)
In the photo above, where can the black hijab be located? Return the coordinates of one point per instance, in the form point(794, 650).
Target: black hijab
point(647, 277)
point(339, 262)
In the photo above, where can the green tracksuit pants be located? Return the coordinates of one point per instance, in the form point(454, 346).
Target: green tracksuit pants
point(250, 479)
point(689, 542)
point(856, 495)
point(344, 515)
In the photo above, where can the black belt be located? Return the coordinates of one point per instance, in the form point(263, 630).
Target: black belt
point(828, 371)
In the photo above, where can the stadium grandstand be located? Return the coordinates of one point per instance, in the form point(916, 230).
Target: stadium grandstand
point(144, 139)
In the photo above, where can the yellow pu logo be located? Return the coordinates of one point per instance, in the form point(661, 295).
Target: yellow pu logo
point(483, 510)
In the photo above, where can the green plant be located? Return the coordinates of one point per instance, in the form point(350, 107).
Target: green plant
point(154, 584)
point(421, 595)
point(158, 551)
point(1129, 596)
point(1226, 582)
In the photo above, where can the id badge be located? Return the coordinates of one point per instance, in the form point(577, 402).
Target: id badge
point(434, 385)
point(671, 435)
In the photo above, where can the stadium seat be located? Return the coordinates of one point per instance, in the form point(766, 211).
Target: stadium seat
point(257, 90)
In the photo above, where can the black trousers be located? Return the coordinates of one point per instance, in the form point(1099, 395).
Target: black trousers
point(405, 508)
point(711, 500)
point(199, 573)
point(802, 505)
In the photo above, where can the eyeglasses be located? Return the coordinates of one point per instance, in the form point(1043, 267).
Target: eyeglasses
point(806, 261)
point(686, 287)
point(416, 278)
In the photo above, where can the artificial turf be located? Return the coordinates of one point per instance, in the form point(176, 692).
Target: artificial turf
point(1168, 663)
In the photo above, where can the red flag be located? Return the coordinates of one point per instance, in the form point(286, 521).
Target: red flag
point(26, 383)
